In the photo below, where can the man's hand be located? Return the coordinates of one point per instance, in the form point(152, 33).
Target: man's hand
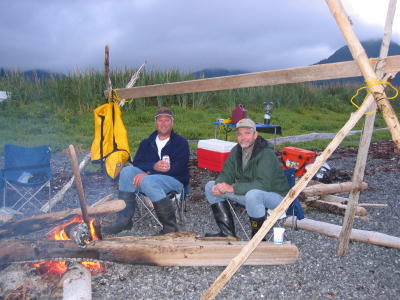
point(222, 188)
point(138, 179)
point(162, 166)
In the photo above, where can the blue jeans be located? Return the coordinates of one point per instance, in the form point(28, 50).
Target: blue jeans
point(156, 186)
point(255, 201)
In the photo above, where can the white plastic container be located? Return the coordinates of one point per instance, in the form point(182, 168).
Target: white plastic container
point(216, 145)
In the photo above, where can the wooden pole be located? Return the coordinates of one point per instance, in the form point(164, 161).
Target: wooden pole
point(238, 260)
point(365, 141)
point(79, 186)
point(367, 71)
point(107, 78)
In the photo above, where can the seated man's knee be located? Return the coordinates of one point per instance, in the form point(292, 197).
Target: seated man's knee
point(253, 196)
point(209, 185)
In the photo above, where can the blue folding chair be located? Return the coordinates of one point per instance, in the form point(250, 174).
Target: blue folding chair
point(295, 209)
point(26, 171)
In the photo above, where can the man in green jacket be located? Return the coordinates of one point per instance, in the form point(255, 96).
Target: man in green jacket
point(252, 176)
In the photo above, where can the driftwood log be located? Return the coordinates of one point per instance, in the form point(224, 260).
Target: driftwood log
point(333, 188)
point(32, 224)
point(77, 283)
point(331, 230)
point(177, 249)
point(334, 208)
point(342, 200)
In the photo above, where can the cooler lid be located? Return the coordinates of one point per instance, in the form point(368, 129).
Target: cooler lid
point(216, 145)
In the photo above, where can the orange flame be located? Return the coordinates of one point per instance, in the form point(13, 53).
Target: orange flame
point(60, 267)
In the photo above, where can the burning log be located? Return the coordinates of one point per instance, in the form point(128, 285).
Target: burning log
point(32, 224)
point(177, 249)
point(77, 283)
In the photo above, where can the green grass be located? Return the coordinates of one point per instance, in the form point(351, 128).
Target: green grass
point(58, 112)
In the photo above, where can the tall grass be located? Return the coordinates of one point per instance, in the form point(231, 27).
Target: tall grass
point(81, 92)
point(59, 110)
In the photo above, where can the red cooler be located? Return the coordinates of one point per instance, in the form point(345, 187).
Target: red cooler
point(211, 154)
point(297, 158)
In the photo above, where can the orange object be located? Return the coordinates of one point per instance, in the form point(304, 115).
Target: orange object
point(297, 158)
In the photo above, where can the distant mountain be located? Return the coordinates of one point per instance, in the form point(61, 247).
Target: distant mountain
point(372, 47)
point(33, 74)
point(216, 72)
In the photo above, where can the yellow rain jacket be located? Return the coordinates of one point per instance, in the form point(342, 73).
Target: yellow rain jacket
point(110, 144)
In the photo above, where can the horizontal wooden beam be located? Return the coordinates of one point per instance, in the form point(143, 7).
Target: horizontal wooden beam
point(176, 249)
point(294, 75)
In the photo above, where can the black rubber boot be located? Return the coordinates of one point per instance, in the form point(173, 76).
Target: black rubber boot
point(223, 217)
point(166, 215)
point(122, 220)
point(256, 224)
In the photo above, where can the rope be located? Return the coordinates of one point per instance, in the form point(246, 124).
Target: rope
point(369, 84)
point(113, 96)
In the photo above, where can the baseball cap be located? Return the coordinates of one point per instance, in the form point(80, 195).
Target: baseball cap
point(246, 123)
point(164, 111)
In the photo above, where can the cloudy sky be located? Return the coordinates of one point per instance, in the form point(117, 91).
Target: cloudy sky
point(253, 35)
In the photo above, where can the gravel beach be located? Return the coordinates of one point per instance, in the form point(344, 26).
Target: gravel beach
point(366, 272)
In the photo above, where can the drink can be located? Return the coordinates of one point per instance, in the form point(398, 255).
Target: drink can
point(166, 158)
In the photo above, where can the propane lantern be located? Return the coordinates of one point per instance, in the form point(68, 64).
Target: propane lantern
point(268, 106)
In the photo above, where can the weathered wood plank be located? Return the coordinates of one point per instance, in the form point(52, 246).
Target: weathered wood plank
point(149, 251)
point(266, 78)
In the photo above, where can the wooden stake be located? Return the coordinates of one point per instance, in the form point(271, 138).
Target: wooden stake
point(107, 78)
point(367, 71)
point(79, 186)
point(238, 260)
point(365, 141)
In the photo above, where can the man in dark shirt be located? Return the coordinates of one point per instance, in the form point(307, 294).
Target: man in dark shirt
point(159, 167)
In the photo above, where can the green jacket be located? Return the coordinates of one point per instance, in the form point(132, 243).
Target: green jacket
point(263, 171)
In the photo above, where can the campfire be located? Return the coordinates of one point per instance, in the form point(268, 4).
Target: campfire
point(76, 229)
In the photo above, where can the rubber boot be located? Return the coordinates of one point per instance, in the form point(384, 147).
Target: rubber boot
point(256, 224)
point(223, 217)
point(122, 220)
point(166, 215)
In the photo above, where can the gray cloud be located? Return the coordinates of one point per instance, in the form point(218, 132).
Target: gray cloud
point(189, 35)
